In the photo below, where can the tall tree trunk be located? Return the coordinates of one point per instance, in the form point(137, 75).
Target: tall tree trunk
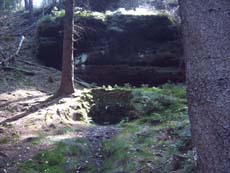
point(206, 40)
point(4, 4)
point(26, 3)
point(67, 78)
point(31, 11)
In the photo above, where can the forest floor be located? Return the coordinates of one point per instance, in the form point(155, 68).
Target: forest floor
point(26, 106)
point(40, 133)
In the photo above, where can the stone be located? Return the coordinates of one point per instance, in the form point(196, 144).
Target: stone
point(119, 48)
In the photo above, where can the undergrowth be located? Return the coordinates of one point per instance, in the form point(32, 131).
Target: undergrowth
point(67, 156)
point(157, 140)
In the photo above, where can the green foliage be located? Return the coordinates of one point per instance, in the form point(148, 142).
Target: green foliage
point(5, 140)
point(147, 144)
point(60, 13)
point(90, 14)
point(65, 157)
point(151, 142)
point(48, 161)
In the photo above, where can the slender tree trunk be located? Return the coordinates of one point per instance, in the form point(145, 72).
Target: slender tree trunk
point(54, 2)
point(31, 11)
point(4, 4)
point(26, 3)
point(206, 40)
point(67, 78)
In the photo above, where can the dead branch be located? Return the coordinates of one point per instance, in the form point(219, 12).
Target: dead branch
point(83, 83)
point(12, 57)
point(28, 29)
point(20, 45)
point(2, 53)
point(26, 72)
point(37, 65)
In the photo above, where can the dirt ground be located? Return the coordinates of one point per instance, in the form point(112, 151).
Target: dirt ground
point(27, 109)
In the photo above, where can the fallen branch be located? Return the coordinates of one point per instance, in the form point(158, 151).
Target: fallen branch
point(20, 45)
point(26, 72)
point(28, 29)
point(3, 35)
point(36, 65)
point(12, 57)
point(83, 83)
point(2, 53)
point(34, 108)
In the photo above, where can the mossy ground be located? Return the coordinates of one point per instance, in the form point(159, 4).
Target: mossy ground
point(159, 140)
point(67, 156)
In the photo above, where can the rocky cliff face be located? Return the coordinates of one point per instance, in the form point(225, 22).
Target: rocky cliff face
point(117, 48)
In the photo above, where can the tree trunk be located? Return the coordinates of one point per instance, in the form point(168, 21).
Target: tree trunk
point(31, 11)
point(26, 3)
point(206, 41)
point(67, 78)
point(54, 2)
point(4, 5)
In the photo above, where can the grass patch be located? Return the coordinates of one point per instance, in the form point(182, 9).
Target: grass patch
point(12, 78)
point(158, 140)
point(66, 156)
point(155, 141)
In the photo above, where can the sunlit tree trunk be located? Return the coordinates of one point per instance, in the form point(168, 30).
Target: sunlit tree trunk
point(67, 78)
point(206, 40)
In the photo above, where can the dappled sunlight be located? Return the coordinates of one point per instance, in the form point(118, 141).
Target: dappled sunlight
point(137, 12)
point(21, 93)
point(52, 139)
point(116, 120)
point(18, 101)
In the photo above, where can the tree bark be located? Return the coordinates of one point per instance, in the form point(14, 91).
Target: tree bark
point(31, 11)
point(2, 5)
point(26, 3)
point(206, 41)
point(67, 78)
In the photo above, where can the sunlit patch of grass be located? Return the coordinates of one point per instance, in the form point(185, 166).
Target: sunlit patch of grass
point(67, 156)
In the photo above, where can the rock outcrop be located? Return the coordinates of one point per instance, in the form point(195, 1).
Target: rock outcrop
point(117, 49)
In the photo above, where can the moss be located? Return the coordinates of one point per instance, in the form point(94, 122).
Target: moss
point(65, 157)
point(150, 142)
point(5, 140)
point(91, 14)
